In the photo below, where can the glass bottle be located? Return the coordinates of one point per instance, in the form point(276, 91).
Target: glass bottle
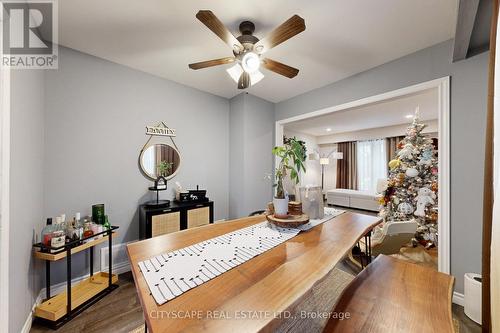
point(87, 231)
point(106, 225)
point(47, 232)
point(78, 226)
point(69, 232)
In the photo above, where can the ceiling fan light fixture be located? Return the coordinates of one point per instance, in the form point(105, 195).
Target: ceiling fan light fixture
point(236, 71)
point(255, 77)
point(250, 62)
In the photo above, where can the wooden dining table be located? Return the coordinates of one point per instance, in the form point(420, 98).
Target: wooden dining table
point(256, 295)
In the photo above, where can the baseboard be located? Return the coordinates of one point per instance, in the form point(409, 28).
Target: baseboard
point(458, 298)
point(120, 259)
point(27, 324)
point(120, 267)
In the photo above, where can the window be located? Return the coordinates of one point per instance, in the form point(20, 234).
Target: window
point(372, 163)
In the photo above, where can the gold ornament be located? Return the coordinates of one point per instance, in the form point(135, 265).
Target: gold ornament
point(434, 186)
point(401, 177)
point(394, 164)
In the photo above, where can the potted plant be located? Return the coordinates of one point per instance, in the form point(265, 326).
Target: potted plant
point(292, 155)
point(164, 168)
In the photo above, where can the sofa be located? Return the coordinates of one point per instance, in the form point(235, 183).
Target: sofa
point(353, 199)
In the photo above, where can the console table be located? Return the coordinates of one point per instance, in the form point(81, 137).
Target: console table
point(159, 220)
point(57, 310)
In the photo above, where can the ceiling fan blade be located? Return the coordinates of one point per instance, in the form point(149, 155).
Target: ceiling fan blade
point(210, 63)
point(280, 68)
point(213, 23)
point(291, 27)
point(244, 80)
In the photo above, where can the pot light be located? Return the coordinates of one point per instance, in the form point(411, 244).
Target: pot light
point(328, 129)
point(409, 116)
point(236, 70)
point(250, 62)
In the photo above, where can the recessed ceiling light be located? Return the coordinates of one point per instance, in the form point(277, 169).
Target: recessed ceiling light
point(328, 129)
point(409, 116)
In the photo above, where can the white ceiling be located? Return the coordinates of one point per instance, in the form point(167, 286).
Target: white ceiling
point(382, 114)
point(342, 37)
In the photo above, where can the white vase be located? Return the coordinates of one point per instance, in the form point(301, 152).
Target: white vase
point(280, 207)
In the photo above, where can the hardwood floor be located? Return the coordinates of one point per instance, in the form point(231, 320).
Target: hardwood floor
point(466, 325)
point(120, 312)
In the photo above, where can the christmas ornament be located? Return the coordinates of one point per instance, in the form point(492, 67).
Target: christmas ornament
point(401, 177)
point(434, 171)
point(411, 172)
point(405, 208)
point(394, 164)
point(433, 217)
point(407, 152)
point(424, 198)
point(434, 186)
point(401, 145)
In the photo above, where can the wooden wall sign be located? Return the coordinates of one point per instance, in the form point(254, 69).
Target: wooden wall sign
point(160, 131)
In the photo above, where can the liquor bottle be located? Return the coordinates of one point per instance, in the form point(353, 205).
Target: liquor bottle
point(78, 226)
point(69, 232)
point(47, 232)
point(72, 232)
point(57, 241)
point(106, 225)
point(60, 225)
point(87, 231)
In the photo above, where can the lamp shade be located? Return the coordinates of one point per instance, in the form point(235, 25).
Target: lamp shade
point(324, 161)
point(236, 71)
point(337, 156)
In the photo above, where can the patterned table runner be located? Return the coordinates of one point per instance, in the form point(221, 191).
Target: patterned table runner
point(171, 274)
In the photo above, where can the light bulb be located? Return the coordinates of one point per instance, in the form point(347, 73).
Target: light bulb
point(250, 62)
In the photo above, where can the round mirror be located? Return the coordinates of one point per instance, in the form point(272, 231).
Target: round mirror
point(160, 160)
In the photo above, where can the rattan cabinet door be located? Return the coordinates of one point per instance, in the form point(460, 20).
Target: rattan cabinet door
point(165, 223)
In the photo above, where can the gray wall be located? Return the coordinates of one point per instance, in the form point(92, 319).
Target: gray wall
point(252, 128)
point(26, 192)
point(237, 156)
point(468, 121)
point(96, 113)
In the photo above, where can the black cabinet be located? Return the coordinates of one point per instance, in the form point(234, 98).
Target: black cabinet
point(155, 221)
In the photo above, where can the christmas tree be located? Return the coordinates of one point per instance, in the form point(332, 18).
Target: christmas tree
point(411, 190)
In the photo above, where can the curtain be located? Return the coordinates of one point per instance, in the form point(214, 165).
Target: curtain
point(392, 146)
point(491, 206)
point(372, 163)
point(346, 167)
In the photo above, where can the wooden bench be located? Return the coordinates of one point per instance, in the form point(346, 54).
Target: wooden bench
point(392, 295)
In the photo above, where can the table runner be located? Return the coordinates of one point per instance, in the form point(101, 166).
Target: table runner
point(171, 274)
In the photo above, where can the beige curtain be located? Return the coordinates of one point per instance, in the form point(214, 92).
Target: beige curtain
point(347, 166)
point(392, 146)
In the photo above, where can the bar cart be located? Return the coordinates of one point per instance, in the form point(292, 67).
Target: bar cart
point(57, 310)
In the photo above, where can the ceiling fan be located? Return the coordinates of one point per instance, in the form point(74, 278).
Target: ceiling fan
point(248, 49)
